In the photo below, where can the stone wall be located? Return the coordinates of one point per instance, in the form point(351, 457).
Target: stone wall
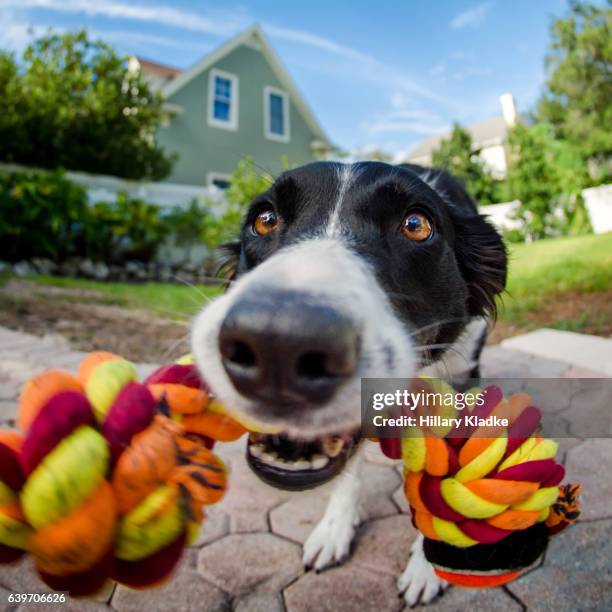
point(131, 271)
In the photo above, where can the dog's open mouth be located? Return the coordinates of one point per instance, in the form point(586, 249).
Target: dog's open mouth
point(294, 464)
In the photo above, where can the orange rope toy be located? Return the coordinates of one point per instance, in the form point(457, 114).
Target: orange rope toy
point(108, 477)
point(487, 498)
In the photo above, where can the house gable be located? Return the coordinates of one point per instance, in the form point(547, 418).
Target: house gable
point(207, 150)
point(254, 38)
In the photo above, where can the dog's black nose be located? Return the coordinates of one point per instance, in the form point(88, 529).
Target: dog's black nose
point(285, 348)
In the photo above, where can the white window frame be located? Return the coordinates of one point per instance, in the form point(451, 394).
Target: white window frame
point(286, 137)
point(232, 124)
point(212, 176)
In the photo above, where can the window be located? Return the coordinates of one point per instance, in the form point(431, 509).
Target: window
point(276, 114)
point(223, 100)
point(218, 180)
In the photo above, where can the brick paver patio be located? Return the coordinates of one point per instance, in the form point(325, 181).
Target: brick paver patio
point(248, 557)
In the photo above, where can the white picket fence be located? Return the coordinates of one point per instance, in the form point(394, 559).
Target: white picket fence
point(102, 188)
point(598, 202)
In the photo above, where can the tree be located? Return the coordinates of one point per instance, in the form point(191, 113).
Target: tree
point(547, 176)
point(576, 101)
point(73, 103)
point(457, 155)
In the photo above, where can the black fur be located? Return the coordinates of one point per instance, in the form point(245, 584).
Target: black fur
point(435, 286)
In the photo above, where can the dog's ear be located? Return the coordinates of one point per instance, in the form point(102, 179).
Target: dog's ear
point(482, 258)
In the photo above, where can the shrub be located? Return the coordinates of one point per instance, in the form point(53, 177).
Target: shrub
point(41, 215)
point(186, 226)
point(123, 230)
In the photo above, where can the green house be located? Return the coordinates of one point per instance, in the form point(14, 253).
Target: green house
point(236, 102)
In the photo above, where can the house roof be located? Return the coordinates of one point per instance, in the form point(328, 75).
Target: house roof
point(159, 70)
point(487, 132)
point(252, 36)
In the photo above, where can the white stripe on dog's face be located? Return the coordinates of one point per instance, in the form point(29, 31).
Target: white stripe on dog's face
point(345, 172)
point(328, 273)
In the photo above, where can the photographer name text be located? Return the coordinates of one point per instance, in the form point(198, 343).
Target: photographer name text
point(432, 420)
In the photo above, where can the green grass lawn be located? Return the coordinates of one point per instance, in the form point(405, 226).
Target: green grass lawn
point(538, 274)
point(166, 299)
point(543, 269)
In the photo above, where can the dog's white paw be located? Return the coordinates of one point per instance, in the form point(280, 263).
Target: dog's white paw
point(419, 583)
point(330, 541)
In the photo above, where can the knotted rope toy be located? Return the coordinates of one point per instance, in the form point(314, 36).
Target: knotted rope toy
point(487, 498)
point(104, 481)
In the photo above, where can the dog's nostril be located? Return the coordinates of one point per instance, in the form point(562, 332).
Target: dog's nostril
point(312, 365)
point(240, 353)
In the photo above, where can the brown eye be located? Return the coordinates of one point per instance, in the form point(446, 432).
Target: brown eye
point(265, 222)
point(416, 226)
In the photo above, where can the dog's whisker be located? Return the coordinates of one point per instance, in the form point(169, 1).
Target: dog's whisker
point(197, 290)
point(447, 346)
point(433, 346)
point(217, 280)
point(437, 324)
point(441, 359)
point(190, 285)
point(173, 346)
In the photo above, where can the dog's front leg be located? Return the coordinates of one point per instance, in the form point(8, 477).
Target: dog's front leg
point(418, 583)
point(330, 541)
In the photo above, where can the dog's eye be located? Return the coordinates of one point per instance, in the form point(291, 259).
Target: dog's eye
point(265, 222)
point(416, 226)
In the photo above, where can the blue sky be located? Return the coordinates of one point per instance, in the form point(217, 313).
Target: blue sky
point(378, 73)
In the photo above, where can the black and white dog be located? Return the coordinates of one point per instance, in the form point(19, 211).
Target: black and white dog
point(346, 271)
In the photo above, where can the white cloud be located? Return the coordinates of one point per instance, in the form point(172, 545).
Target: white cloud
point(15, 33)
point(411, 127)
point(124, 37)
point(165, 15)
point(405, 117)
point(472, 71)
point(227, 25)
point(462, 56)
point(313, 40)
point(472, 17)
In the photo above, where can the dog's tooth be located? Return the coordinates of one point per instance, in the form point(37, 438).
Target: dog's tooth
point(256, 450)
point(284, 465)
point(301, 464)
point(332, 446)
point(319, 461)
point(269, 457)
point(290, 466)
